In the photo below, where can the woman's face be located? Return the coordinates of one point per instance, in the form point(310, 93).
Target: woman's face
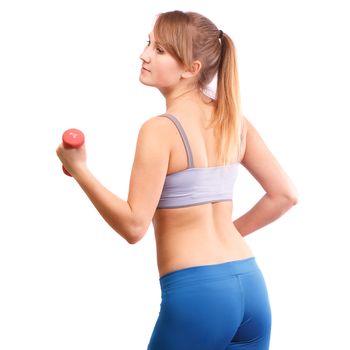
point(159, 68)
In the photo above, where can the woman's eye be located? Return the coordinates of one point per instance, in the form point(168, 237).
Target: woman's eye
point(159, 50)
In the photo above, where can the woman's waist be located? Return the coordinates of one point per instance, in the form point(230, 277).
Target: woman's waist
point(178, 252)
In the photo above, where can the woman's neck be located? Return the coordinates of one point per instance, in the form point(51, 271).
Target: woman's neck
point(188, 96)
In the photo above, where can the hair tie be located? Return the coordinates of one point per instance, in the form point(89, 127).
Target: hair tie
point(221, 33)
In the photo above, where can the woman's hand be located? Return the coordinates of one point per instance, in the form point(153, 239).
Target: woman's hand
point(73, 159)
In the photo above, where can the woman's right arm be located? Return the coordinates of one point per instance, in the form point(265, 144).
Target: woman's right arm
point(280, 194)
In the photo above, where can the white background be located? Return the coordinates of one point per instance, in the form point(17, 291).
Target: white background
point(67, 280)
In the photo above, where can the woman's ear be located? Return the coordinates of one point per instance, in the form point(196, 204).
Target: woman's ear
point(193, 70)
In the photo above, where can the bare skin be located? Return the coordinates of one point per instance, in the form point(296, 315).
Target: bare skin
point(202, 234)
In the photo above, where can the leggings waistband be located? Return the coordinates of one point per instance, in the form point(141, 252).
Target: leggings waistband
point(194, 273)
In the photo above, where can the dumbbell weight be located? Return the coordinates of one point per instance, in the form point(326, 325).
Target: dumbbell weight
point(72, 138)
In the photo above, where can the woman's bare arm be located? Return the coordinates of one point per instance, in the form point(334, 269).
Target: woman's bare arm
point(281, 193)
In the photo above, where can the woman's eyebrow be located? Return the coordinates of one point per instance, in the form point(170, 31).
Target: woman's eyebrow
point(156, 42)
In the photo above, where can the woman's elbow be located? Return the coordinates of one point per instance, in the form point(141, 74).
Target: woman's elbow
point(291, 198)
point(284, 199)
point(289, 194)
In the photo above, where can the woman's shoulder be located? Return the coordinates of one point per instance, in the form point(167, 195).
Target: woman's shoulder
point(159, 126)
point(156, 122)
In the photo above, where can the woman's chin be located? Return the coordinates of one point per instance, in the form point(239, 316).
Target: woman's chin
point(144, 81)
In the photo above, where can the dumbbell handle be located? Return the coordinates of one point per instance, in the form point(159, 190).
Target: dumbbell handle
point(72, 138)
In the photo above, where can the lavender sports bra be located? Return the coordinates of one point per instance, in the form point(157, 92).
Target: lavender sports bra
point(194, 186)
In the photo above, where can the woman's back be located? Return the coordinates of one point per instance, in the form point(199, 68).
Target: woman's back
point(199, 234)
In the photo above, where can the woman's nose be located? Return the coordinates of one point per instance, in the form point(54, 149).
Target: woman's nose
point(145, 56)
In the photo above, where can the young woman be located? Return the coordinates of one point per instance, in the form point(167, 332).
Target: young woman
point(186, 161)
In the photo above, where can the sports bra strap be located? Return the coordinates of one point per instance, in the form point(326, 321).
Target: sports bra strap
point(184, 139)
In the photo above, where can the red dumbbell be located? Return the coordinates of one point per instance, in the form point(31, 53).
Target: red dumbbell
point(72, 138)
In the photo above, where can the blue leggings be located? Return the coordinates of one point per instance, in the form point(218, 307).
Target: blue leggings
point(213, 307)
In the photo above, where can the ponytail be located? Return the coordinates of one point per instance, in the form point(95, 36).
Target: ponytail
point(227, 118)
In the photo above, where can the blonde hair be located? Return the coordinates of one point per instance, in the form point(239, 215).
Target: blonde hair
point(189, 36)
